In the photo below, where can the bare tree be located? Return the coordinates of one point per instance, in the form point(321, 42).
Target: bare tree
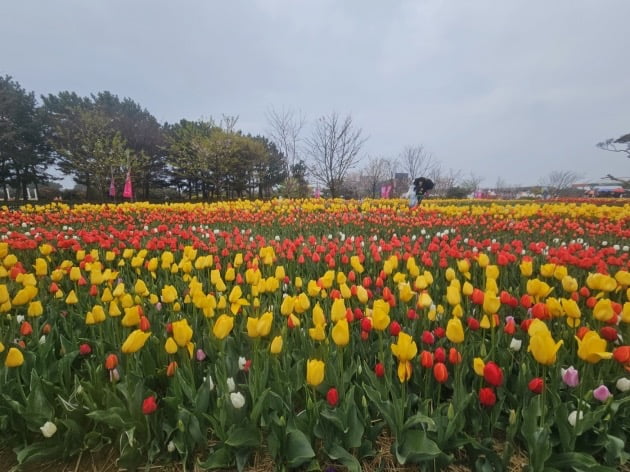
point(228, 123)
point(334, 149)
point(445, 180)
point(285, 129)
point(417, 162)
point(377, 171)
point(472, 182)
point(612, 145)
point(559, 182)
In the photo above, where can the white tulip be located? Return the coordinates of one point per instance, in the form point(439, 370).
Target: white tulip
point(573, 417)
point(515, 344)
point(623, 384)
point(230, 384)
point(49, 429)
point(237, 399)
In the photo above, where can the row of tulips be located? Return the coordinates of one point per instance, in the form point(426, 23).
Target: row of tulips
point(209, 332)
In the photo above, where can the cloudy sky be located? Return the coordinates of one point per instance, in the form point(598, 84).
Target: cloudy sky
point(504, 89)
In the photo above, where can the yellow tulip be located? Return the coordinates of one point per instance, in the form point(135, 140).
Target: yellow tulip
point(570, 307)
point(264, 324)
point(478, 366)
point(4, 294)
point(341, 333)
point(463, 265)
point(315, 370)
point(560, 272)
point(603, 310)
point(453, 297)
point(279, 273)
point(569, 284)
point(491, 303)
point(380, 315)
point(483, 260)
point(602, 282)
point(317, 333)
point(405, 293)
point(140, 288)
point(182, 332)
point(35, 308)
point(546, 270)
point(131, 318)
point(455, 330)
point(318, 315)
point(467, 289)
point(543, 347)
point(338, 310)
point(625, 312)
point(72, 299)
point(362, 294)
point(302, 303)
point(554, 306)
point(98, 313)
point(623, 278)
point(114, 309)
point(276, 345)
point(405, 348)
point(492, 272)
point(75, 274)
point(230, 274)
point(170, 346)
point(404, 371)
point(168, 294)
point(526, 268)
point(223, 326)
point(449, 274)
point(134, 341)
point(592, 348)
point(14, 358)
point(286, 308)
point(41, 267)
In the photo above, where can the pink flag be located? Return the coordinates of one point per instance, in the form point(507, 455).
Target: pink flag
point(127, 191)
point(318, 193)
point(389, 190)
point(112, 188)
point(383, 191)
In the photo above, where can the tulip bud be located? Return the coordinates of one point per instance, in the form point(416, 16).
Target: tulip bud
point(49, 429)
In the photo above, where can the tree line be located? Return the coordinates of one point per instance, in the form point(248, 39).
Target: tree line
point(101, 138)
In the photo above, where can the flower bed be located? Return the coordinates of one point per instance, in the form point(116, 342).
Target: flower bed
point(311, 329)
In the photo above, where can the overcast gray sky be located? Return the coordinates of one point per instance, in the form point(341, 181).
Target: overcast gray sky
point(512, 89)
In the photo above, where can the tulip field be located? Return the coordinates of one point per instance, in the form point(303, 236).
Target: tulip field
point(318, 334)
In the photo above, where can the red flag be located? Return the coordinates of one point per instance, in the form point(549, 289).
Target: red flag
point(112, 188)
point(127, 191)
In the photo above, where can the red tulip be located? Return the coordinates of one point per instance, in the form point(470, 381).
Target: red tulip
point(332, 397)
point(608, 333)
point(111, 362)
point(493, 374)
point(440, 372)
point(379, 369)
point(26, 329)
point(85, 349)
point(487, 397)
point(428, 338)
point(536, 385)
point(149, 405)
point(454, 356)
point(426, 359)
point(394, 328)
